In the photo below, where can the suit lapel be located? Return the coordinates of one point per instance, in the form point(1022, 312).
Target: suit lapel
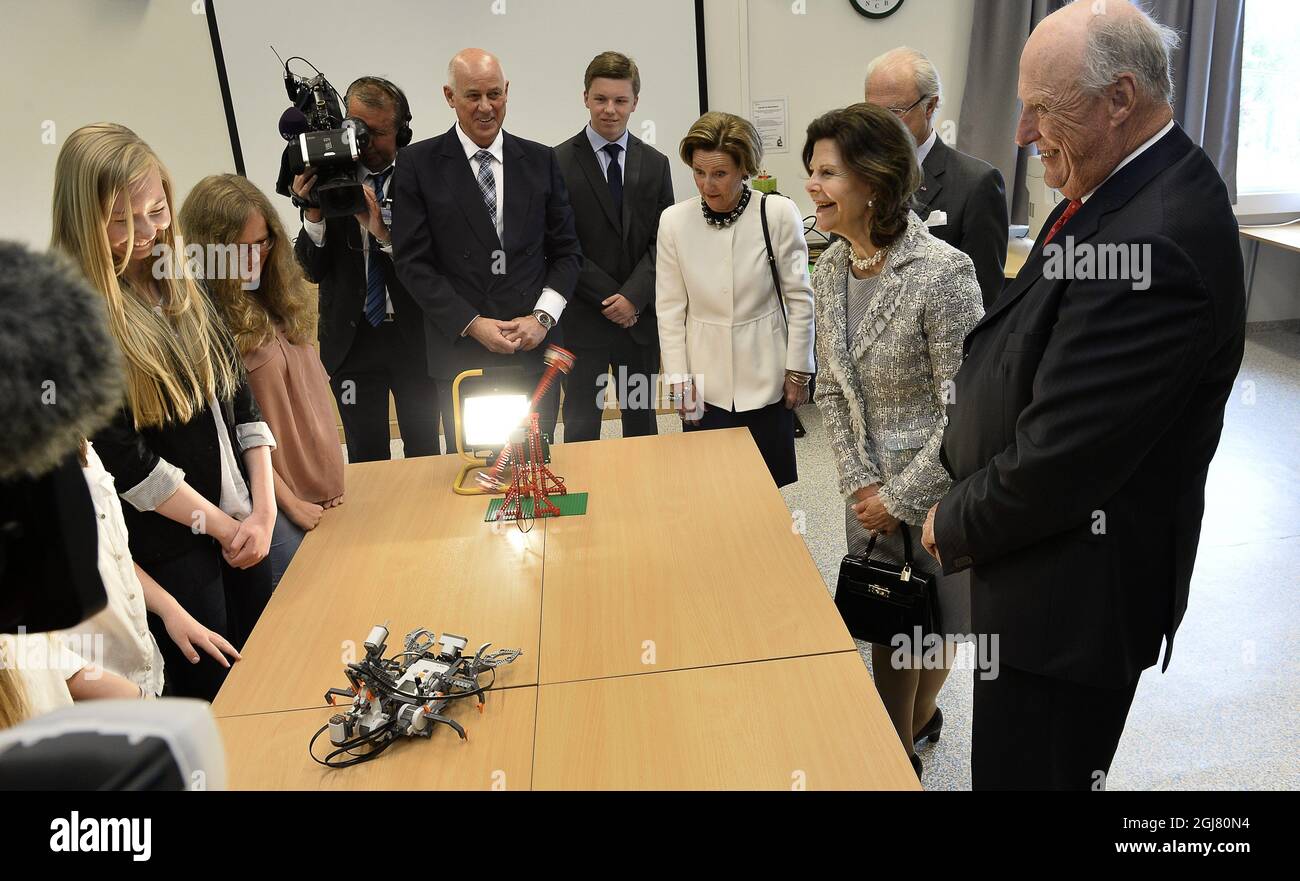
point(461, 182)
point(519, 194)
point(590, 166)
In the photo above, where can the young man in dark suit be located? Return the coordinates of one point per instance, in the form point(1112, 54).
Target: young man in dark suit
point(618, 186)
point(962, 199)
point(1089, 406)
point(484, 239)
point(371, 332)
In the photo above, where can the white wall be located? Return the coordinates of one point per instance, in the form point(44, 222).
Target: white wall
point(544, 46)
point(66, 63)
point(814, 53)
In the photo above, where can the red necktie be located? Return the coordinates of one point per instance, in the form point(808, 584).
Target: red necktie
point(1070, 211)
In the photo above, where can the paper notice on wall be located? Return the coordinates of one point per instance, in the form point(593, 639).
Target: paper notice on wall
point(769, 117)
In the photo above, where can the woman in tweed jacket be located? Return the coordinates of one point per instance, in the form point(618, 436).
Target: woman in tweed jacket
point(893, 305)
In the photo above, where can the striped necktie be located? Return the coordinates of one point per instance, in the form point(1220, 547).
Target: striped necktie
point(376, 302)
point(487, 184)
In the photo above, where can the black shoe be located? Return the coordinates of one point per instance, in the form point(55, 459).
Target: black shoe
point(916, 764)
point(799, 430)
point(931, 729)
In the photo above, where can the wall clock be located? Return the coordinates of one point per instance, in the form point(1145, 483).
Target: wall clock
point(876, 8)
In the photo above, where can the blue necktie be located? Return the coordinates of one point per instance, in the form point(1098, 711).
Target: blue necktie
point(376, 305)
point(615, 177)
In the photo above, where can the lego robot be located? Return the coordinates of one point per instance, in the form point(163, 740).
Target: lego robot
point(406, 695)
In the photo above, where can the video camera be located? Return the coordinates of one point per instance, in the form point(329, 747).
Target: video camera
point(320, 136)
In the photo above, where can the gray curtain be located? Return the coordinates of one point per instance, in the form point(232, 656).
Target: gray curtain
point(1207, 82)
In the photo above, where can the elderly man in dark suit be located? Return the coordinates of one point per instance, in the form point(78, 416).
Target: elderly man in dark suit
point(483, 238)
point(1089, 406)
point(962, 199)
point(619, 187)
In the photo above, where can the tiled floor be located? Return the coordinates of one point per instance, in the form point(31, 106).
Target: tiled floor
point(1225, 715)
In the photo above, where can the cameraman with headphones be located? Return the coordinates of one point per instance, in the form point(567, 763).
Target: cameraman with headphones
point(371, 331)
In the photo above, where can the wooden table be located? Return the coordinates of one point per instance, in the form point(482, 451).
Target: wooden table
point(803, 723)
point(688, 557)
point(1286, 237)
point(402, 549)
point(269, 751)
point(682, 612)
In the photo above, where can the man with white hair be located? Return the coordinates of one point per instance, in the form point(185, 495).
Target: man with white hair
point(484, 239)
point(1090, 404)
point(962, 199)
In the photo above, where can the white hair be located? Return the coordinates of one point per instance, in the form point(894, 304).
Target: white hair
point(1136, 44)
point(923, 71)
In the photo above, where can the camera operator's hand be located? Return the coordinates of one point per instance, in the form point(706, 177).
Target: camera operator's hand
point(302, 185)
point(491, 335)
point(372, 220)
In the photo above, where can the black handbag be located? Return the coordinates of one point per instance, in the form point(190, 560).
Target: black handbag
point(879, 600)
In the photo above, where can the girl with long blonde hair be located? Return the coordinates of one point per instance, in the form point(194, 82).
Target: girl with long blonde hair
point(189, 451)
point(271, 313)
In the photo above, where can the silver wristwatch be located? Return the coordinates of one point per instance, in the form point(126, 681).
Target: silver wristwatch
point(544, 318)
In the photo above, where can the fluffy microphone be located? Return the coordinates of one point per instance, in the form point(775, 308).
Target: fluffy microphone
point(293, 122)
point(60, 369)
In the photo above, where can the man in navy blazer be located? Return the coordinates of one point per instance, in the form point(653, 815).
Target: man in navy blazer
point(484, 238)
point(1089, 405)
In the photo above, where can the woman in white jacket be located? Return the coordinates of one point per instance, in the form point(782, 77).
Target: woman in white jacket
point(737, 351)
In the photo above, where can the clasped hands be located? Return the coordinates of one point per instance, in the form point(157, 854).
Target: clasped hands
point(507, 337)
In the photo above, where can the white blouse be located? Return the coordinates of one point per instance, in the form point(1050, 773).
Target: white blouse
point(44, 665)
point(719, 317)
point(118, 636)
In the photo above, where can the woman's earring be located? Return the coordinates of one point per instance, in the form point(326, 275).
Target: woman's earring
point(871, 203)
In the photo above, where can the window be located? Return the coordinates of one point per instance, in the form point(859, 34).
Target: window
point(1268, 151)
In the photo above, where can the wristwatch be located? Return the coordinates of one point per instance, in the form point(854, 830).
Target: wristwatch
point(544, 318)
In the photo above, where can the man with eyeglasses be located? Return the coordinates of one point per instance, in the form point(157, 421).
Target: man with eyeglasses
point(962, 199)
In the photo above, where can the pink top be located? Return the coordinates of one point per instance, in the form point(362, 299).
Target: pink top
point(292, 390)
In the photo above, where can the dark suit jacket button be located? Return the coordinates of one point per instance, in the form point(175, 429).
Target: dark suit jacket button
point(465, 256)
point(353, 323)
point(961, 562)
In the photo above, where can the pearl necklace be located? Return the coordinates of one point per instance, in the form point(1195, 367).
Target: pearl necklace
point(722, 221)
point(862, 264)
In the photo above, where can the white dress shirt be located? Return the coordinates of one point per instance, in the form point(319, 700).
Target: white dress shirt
point(923, 149)
point(118, 636)
point(550, 301)
point(719, 318)
point(598, 144)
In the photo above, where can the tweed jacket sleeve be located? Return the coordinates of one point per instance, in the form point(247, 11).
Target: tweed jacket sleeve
point(952, 306)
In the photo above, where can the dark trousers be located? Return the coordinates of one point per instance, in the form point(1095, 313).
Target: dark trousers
point(772, 428)
point(376, 364)
point(220, 598)
point(633, 367)
point(548, 409)
point(1036, 732)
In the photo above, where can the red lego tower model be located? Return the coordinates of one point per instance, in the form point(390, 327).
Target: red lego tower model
point(532, 479)
point(558, 362)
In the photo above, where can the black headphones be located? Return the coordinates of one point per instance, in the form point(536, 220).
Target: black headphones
point(403, 107)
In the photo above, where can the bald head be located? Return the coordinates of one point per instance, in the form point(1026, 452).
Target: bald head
point(1095, 84)
point(477, 89)
point(470, 64)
